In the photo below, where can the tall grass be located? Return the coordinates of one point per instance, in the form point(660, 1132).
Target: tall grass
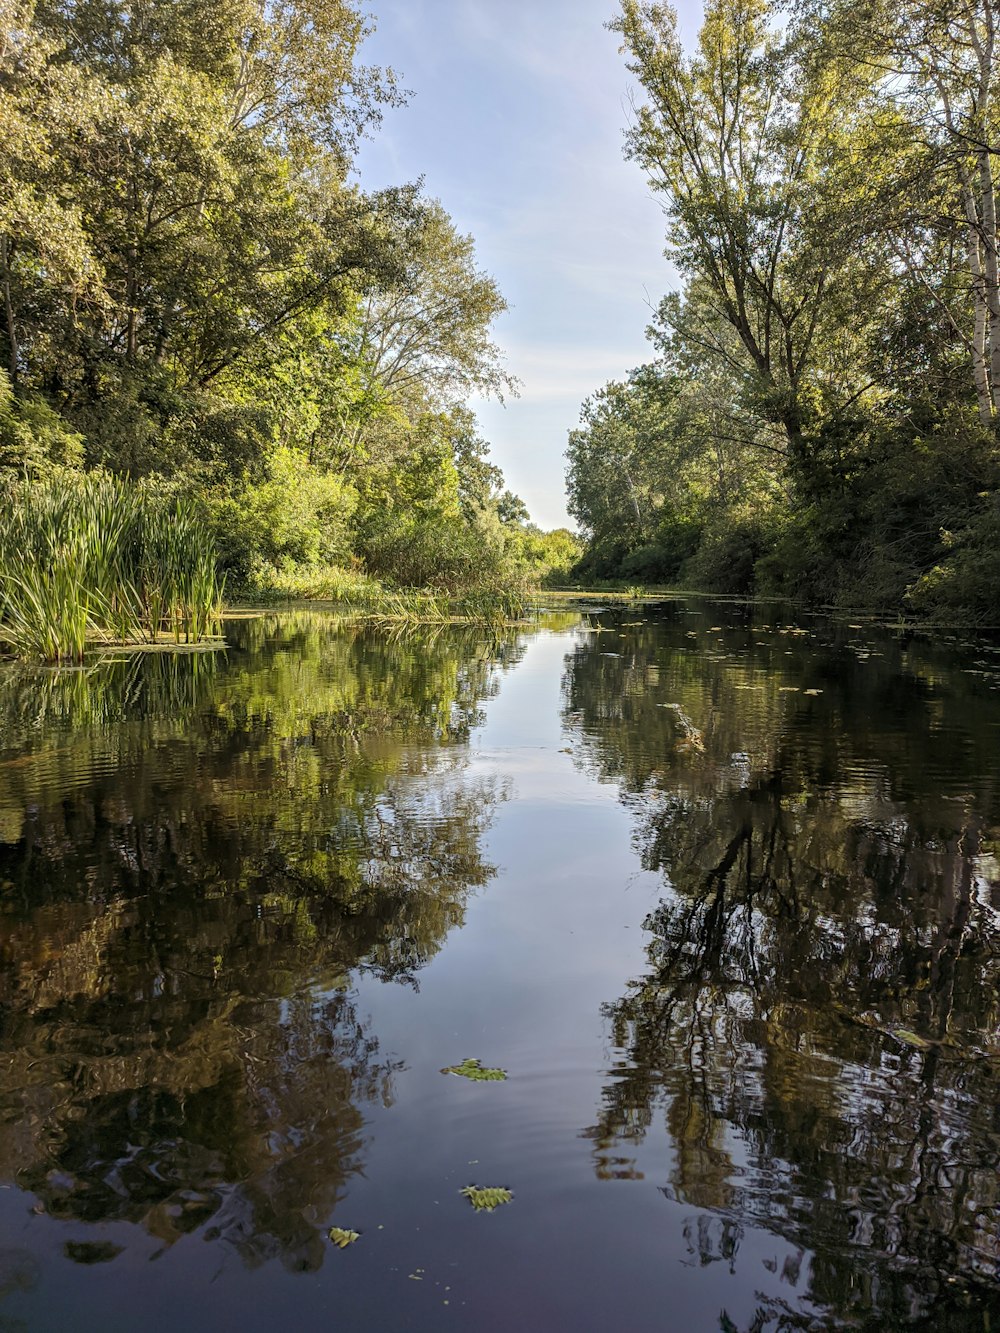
point(91, 557)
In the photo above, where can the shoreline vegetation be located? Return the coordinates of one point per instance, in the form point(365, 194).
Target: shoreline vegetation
point(199, 300)
point(88, 559)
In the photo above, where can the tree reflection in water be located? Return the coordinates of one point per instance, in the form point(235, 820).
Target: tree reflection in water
point(196, 854)
point(818, 1029)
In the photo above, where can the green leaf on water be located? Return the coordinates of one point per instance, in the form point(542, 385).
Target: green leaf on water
point(485, 1200)
point(343, 1238)
point(474, 1070)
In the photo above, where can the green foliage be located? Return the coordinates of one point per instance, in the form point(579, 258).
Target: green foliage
point(486, 1200)
point(545, 557)
point(444, 552)
point(966, 580)
point(33, 436)
point(878, 505)
point(326, 583)
point(478, 1073)
point(296, 516)
point(191, 287)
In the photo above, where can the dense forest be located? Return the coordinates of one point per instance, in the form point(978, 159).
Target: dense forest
point(820, 416)
point(198, 295)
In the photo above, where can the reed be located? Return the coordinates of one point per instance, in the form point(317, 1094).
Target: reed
point(93, 557)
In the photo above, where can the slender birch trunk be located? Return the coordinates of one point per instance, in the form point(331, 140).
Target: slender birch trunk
point(980, 335)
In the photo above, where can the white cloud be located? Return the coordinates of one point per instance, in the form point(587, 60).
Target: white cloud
point(559, 373)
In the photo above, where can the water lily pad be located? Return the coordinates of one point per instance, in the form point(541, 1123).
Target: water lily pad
point(342, 1237)
point(485, 1200)
point(477, 1072)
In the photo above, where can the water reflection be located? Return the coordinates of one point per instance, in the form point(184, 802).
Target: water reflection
point(816, 1038)
point(197, 853)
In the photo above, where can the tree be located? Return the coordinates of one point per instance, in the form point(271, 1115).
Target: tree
point(198, 165)
point(748, 143)
point(422, 340)
point(940, 66)
point(618, 455)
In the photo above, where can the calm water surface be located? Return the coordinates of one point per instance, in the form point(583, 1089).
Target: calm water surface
point(720, 892)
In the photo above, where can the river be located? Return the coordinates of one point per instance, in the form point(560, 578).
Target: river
point(716, 889)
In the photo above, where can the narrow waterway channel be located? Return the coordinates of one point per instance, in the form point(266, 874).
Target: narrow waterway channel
point(716, 889)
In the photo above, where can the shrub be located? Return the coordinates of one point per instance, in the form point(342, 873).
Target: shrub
point(444, 552)
point(296, 518)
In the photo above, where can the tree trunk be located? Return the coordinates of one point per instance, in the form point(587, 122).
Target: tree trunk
point(131, 314)
point(8, 310)
point(991, 272)
point(980, 334)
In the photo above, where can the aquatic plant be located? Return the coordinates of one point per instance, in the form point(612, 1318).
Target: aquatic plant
point(485, 1200)
point(85, 557)
point(473, 1070)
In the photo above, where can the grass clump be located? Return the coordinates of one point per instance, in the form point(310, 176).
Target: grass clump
point(321, 583)
point(358, 593)
point(85, 557)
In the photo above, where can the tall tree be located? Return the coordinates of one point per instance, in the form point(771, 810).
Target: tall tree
point(940, 62)
point(747, 142)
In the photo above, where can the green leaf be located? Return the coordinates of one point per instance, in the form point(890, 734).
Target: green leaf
point(343, 1238)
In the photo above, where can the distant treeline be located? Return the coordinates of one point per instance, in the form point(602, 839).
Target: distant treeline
point(192, 290)
point(821, 416)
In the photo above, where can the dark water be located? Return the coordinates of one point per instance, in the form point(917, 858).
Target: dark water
point(721, 894)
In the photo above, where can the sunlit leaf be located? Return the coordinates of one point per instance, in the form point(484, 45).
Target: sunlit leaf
point(342, 1238)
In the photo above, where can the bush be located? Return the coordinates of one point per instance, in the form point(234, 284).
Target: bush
point(730, 549)
point(33, 437)
point(965, 585)
point(444, 552)
point(894, 514)
point(295, 518)
point(543, 557)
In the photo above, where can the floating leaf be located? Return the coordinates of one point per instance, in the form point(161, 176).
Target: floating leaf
point(343, 1238)
point(485, 1200)
point(477, 1072)
point(910, 1038)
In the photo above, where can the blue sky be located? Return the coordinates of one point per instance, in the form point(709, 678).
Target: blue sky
point(515, 121)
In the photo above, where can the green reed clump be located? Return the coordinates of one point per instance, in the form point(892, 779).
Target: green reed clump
point(85, 557)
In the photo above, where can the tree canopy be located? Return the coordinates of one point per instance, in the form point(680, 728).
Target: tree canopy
point(195, 287)
point(823, 413)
